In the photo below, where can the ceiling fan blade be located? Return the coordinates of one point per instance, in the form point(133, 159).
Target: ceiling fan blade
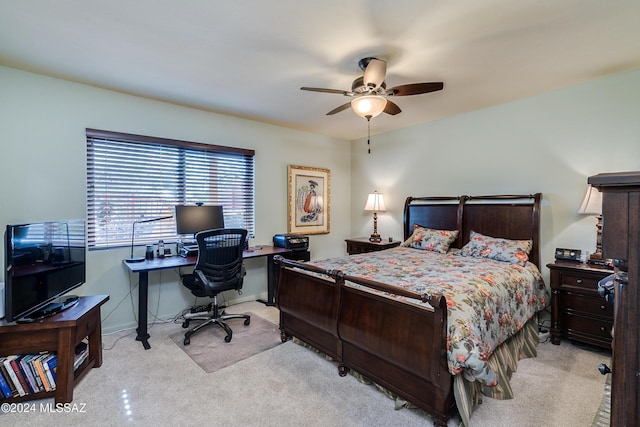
point(320, 89)
point(374, 72)
point(415, 89)
point(391, 108)
point(338, 109)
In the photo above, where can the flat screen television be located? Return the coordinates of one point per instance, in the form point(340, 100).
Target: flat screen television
point(43, 261)
point(191, 219)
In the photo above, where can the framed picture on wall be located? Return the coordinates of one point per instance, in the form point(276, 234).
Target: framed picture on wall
point(308, 191)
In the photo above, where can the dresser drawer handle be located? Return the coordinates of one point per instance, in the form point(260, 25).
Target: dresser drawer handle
point(579, 281)
point(602, 328)
point(603, 307)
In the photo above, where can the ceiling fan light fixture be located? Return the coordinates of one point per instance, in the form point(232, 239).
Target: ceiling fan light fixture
point(374, 71)
point(369, 106)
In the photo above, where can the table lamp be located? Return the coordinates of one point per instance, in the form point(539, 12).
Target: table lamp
point(592, 205)
point(375, 203)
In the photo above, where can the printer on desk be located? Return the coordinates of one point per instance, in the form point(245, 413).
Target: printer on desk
point(187, 248)
point(295, 242)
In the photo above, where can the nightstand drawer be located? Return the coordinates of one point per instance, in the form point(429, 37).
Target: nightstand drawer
point(576, 324)
point(361, 245)
point(580, 281)
point(578, 312)
point(356, 248)
point(594, 306)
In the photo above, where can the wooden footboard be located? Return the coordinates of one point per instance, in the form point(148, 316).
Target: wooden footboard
point(400, 346)
point(307, 309)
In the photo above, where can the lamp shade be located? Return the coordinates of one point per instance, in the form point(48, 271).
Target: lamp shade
point(592, 203)
point(375, 202)
point(369, 106)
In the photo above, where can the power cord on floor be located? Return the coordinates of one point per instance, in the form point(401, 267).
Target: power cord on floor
point(544, 336)
point(199, 308)
point(116, 341)
point(129, 294)
point(155, 317)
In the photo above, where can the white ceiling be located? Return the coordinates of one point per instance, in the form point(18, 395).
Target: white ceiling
point(249, 58)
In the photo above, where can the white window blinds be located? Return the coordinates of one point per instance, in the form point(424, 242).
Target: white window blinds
point(134, 178)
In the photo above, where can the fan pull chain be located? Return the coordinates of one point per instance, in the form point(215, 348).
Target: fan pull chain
point(369, 135)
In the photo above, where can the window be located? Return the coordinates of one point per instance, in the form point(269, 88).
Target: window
point(135, 178)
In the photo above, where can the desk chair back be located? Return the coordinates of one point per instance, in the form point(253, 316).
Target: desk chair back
point(219, 266)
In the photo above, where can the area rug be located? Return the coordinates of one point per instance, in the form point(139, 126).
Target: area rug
point(210, 351)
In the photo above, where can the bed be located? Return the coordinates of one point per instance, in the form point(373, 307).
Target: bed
point(397, 317)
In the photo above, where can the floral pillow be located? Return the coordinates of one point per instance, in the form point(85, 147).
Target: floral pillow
point(430, 239)
point(513, 251)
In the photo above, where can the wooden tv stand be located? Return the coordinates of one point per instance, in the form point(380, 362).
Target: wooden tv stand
point(60, 333)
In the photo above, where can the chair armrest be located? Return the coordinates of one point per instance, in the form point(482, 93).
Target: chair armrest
point(202, 277)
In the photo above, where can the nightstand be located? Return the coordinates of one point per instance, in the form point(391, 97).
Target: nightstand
point(578, 312)
point(359, 245)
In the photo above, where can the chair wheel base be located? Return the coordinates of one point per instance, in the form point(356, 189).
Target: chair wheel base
point(227, 338)
point(246, 322)
point(187, 341)
point(185, 324)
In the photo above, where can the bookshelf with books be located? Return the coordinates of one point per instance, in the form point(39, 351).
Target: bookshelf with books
point(49, 357)
point(34, 373)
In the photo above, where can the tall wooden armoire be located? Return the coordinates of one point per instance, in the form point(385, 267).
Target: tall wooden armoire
point(621, 242)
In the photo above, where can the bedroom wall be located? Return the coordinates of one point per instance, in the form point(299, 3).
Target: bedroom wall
point(43, 175)
point(548, 143)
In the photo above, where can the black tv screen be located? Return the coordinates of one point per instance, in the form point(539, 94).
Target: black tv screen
point(193, 219)
point(43, 261)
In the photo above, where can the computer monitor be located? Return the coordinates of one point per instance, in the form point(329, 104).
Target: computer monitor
point(193, 219)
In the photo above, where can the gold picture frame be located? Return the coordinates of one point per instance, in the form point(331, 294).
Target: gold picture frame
point(308, 208)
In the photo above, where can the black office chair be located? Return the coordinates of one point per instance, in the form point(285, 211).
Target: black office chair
point(219, 268)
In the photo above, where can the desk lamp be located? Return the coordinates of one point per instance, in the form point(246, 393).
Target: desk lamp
point(133, 234)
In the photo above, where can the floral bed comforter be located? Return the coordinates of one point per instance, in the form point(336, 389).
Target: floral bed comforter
point(488, 301)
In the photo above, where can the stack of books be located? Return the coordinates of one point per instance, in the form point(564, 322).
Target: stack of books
point(21, 375)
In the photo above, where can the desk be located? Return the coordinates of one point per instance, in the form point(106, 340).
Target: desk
point(163, 263)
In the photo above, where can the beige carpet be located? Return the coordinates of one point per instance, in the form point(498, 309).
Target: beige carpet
point(289, 385)
point(603, 416)
point(210, 351)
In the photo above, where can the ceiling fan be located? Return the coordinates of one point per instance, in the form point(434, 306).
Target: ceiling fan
point(370, 94)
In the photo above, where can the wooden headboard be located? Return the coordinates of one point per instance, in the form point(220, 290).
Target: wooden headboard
point(514, 217)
